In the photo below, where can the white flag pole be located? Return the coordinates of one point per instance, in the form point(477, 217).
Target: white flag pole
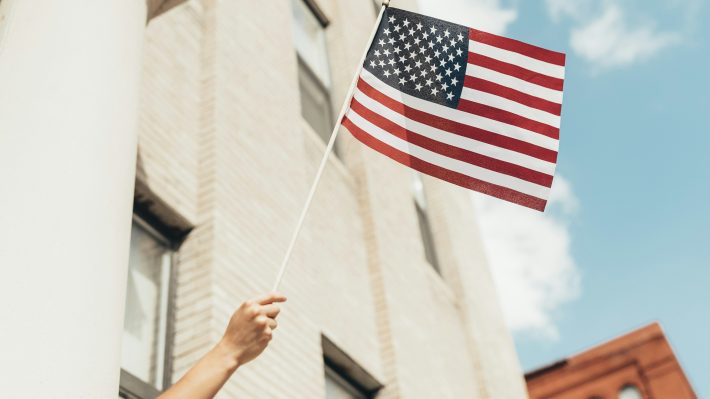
point(328, 150)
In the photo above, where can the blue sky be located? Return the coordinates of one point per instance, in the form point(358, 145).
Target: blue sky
point(635, 148)
point(627, 241)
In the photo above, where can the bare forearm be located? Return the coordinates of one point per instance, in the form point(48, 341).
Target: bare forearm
point(206, 378)
point(248, 333)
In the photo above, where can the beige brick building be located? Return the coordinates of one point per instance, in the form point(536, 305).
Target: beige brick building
point(389, 291)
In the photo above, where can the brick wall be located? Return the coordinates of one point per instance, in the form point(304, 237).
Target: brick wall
point(223, 143)
point(642, 358)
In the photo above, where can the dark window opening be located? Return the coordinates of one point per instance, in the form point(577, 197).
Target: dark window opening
point(427, 238)
point(344, 377)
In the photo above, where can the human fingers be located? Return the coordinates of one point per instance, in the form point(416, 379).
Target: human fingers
point(271, 310)
point(270, 298)
point(267, 334)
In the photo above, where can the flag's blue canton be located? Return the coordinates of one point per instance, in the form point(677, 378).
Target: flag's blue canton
point(421, 56)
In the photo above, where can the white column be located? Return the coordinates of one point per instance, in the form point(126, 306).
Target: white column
point(69, 79)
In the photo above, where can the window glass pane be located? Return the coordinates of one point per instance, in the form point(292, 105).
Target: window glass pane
point(338, 388)
point(630, 392)
point(309, 36)
point(427, 238)
point(333, 390)
point(418, 189)
point(315, 103)
point(146, 307)
point(423, 219)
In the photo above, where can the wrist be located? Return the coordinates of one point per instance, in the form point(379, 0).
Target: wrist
point(227, 356)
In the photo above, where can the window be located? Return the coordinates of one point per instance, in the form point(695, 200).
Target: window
point(344, 377)
point(630, 392)
point(424, 226)
point(313, 68)
point(337, 387)
point(143, 362)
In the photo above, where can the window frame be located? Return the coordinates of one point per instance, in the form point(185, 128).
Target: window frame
point(324, 87)
point(318, 12)
point(130, 386)
point(427, 237)
point(352, 388)
point(346, 371)
point(305, 68)
point(426, 233)
point(324, 22)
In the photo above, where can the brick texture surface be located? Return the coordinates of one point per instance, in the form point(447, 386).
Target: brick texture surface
point(642, 358)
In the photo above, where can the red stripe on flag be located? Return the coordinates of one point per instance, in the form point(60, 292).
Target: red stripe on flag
point(450, 151)
point(508, 117)
point(459, 179)
point(458, 128)
point(516, 71)
point(517, 46)
point(513, 95)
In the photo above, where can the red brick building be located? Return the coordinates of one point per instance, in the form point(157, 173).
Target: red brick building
point(638, 365)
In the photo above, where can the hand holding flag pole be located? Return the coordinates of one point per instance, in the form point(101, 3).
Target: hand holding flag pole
point(328, 150)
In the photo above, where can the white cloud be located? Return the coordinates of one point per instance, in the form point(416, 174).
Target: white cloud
point(609, 41)
point(604, 36)
point(562, 195)
point(486, 15)
point(566, 8)
point(530, 258)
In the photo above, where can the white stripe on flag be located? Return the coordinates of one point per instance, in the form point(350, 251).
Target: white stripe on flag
point(465, 118)
point(510, 106)
point(514, 83)
point(445, 162)
point(454, 139)
point(529, 63)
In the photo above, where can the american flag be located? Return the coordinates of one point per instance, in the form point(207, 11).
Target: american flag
point(475, 109)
